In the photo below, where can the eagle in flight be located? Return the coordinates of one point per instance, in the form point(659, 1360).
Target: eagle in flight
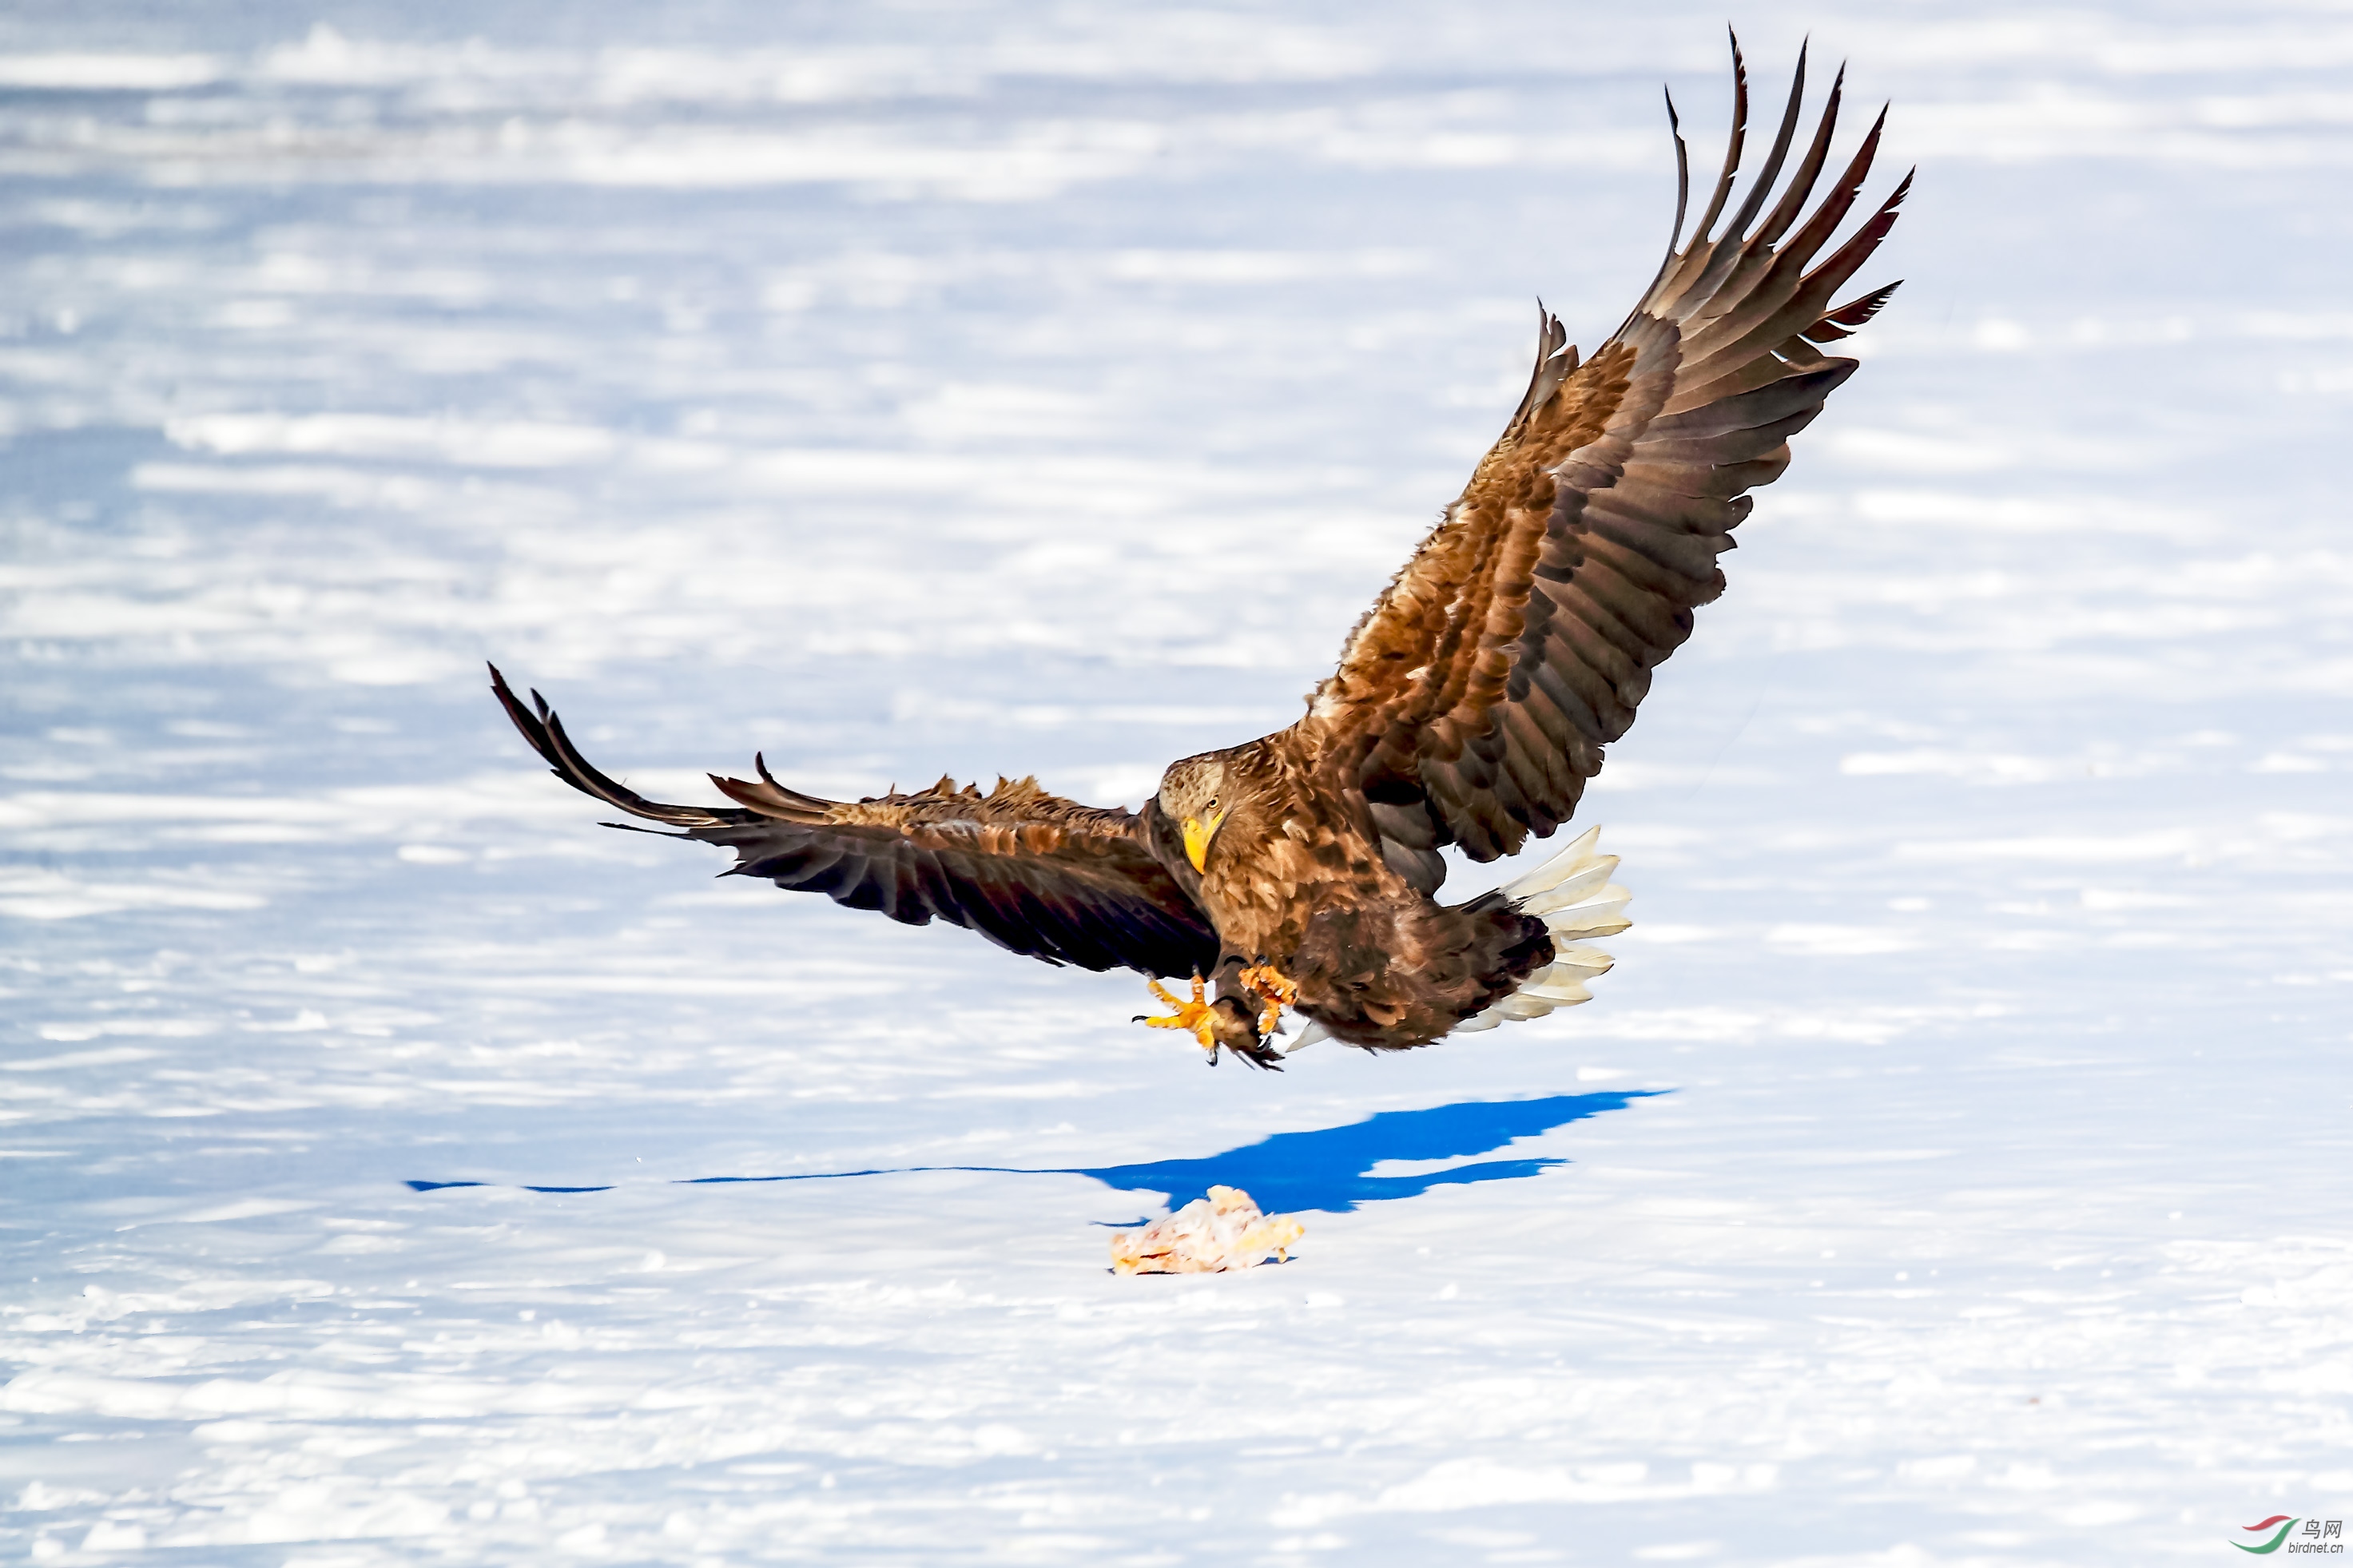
point(1300, 871)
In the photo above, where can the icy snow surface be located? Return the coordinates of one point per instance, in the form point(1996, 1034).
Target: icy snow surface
point(1954, 1170)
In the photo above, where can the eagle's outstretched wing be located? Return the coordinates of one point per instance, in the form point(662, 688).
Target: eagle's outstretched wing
point(1473, 700)
point(1029, 871)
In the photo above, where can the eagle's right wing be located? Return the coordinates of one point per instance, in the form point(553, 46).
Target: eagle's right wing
point(1029, 871)
point(1473, 701)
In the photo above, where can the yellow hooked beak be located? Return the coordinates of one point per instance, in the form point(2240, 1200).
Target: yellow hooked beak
point(1198, 835)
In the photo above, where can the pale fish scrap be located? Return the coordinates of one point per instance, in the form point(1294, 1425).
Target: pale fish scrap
point(1207, 1236)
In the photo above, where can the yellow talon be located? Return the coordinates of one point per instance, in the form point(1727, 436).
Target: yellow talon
point(1279, 990)
point(1196, 1015)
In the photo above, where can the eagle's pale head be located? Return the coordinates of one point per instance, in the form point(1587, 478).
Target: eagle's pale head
point(1195, 793)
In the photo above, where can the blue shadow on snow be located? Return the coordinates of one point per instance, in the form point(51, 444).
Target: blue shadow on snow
point(1327, 1170)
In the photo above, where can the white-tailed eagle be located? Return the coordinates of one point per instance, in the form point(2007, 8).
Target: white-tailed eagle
point(1471, 703)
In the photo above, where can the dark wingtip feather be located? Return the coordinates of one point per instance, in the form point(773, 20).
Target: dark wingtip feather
point(1843, 320)
point(1810, 167)
point(1858, 249)
point(657, 833)
point(1733, 145)
point(1817, 230)
point(1683, 173)
point(533, 728)
point(1771, 171)
point(545, 732)
point(1682, 206)
point(1736, 243)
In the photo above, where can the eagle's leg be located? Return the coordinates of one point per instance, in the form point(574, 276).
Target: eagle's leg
point(1274, 987)
point(1228, 1022)
point(1198, 1015)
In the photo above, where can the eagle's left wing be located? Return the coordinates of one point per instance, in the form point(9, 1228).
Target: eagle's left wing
point(1473, 700)
point(1030, 871)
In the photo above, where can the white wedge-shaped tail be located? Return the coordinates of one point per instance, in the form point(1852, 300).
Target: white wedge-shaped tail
point(1573, 895)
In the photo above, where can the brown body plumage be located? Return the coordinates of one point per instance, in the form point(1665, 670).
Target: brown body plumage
point(1471, 704)
point(1294, 876)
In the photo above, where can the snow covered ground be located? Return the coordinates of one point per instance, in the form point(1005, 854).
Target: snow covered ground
point(1955, 1169)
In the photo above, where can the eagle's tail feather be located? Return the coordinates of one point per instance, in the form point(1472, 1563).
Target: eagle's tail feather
point(1573, 895)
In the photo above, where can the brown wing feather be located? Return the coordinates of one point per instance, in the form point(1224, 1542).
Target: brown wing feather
point(1030, 871)
point(1473, 700)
